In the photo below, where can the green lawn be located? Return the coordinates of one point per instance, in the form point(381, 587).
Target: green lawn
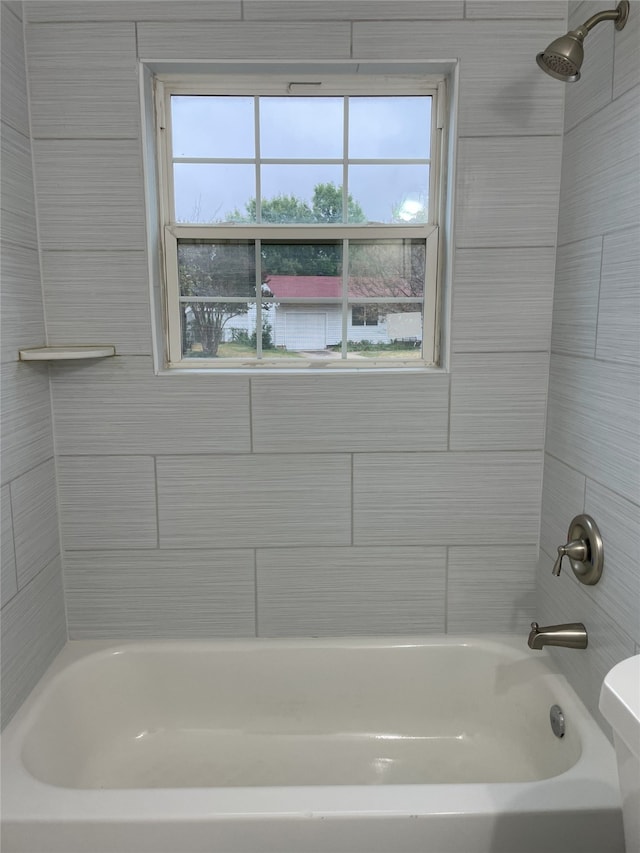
point(243, 351)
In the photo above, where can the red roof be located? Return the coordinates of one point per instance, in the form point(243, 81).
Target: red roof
point(305, 285)
point(331, 286)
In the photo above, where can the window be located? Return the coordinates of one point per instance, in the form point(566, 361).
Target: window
point(299, 220)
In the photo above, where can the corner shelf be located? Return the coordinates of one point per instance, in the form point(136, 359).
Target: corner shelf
point(65, 353)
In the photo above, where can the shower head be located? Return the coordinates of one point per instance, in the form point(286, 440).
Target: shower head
point(564, 56)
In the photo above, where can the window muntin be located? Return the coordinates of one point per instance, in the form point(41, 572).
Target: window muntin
point(297, 217)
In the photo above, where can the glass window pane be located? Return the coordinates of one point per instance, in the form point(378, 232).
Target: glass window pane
point(389, 128)
point(307, 128)
point(392, 193)
point(311, 268)
point(385, 330)
point(301, 194)
point(218, 330)
point(386, 268)
point(206, 126)
point(224, 268)
point(214, 193)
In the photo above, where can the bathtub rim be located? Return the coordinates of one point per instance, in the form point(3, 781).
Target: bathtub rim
point(590, 784)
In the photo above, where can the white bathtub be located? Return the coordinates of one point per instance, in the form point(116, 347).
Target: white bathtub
point(425, 745)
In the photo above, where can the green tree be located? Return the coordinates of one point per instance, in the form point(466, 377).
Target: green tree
point(213, 269)
point(325, 208)
point(318, 258)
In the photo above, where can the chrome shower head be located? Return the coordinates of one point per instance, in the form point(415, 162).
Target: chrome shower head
point(563, 58)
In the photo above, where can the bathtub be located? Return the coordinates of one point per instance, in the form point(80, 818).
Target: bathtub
point(413, 745)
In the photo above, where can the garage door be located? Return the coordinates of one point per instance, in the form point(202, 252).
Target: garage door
point(305, 331)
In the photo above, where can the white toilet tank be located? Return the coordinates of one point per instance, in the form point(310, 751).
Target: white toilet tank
point(620, 706)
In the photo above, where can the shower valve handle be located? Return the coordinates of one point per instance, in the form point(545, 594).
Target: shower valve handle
point(584, 550)
point(576, 550)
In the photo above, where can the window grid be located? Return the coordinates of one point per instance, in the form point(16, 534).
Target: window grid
point(294, 232)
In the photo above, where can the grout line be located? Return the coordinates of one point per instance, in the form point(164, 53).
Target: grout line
point(255, 592)
point(446, 589)
point(352, 502)
point(251, 447)
point(582, 357)
point(595, 337)
point(589, 477)
point(613, 233)
point(429, 546)
point(601, 110)
point(13, 538)
point(58, 556)
point(155, 481)
point(480, 451)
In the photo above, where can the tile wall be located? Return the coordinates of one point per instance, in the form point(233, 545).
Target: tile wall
point(205, 506)
point(33, 614)
point(592, 458)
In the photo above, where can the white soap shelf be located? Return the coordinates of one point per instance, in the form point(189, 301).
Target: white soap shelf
point(65, 353)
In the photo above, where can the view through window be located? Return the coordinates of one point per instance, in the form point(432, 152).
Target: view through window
point(300, 226)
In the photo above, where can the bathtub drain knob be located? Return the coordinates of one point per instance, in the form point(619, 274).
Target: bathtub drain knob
point(556, 718)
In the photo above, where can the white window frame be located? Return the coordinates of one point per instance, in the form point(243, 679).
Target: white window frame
point(171, 232)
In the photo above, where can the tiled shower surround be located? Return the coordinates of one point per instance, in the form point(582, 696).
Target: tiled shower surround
point(592, 458)
point(207, 506)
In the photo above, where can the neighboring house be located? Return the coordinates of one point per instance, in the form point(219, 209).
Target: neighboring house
point(314, 326)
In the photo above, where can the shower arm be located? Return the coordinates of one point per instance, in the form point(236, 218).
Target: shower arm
point(618, 15)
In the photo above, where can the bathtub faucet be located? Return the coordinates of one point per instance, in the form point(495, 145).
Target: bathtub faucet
point(573, 635)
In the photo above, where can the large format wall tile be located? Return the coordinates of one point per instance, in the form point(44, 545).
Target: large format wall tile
point(618, 590)
point(98, 297)
point(600, 158)
point(446, 498)
point(626, 68)
point(13, 81)
point(27, 438)
point(82, 80)
point(500, 9)
point(134, 10)
point(89, 194)
point(21, 315)
point(205, 42)
point(619, 315)
point(590, 95)
point(498, 402)
point(507, 192)
point(144, 594)
point(563, 491)
point(575, 299)
point(119, 406)
point(35, 520)
point(593, 421)
point(287, 10)
point(254, 501)
point(335, 591)
point(107, 502)
point(492, 103)
point(491, 589)
point(346, 413)
point(502, 300)
point(33, 632)
point(564, 599)
point(8, 579)
point(17, 202)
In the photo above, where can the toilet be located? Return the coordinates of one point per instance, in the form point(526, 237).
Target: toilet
point(620, 706)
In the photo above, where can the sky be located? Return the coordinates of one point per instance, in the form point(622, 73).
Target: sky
point(293, 128)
